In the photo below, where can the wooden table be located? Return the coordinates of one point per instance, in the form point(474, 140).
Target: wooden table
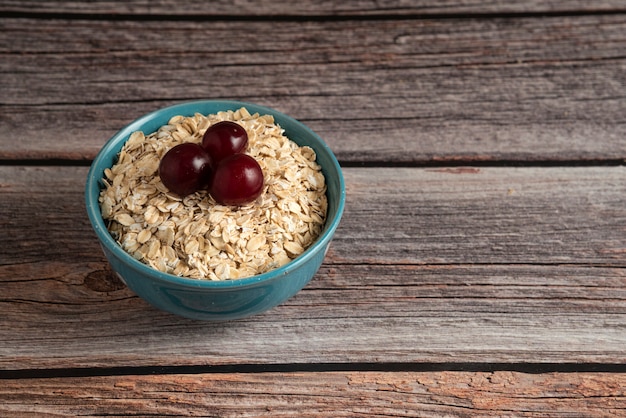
point(480, 267)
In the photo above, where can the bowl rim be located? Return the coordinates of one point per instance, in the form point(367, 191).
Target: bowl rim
point(97, 222)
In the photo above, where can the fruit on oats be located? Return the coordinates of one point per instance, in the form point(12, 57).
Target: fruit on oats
point(224, 139)
point(237, 180)
point(186, 168)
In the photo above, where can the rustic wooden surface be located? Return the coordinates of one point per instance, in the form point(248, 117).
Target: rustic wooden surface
point(501, 89)
point(490, 137)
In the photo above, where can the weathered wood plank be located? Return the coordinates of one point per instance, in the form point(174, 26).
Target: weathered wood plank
point(437, 90)
point(487, 215)
point(61, 315)
point(336, 394)
point(491, 215)
point(307, 8)
point(490, 265)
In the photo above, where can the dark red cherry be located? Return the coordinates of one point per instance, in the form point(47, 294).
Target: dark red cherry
point(237, 180)
point(224, 139)
point(186, 168)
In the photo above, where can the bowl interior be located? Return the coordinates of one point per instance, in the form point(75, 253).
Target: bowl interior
point(149, 123)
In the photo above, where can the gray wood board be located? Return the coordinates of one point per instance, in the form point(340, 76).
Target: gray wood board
point(383, 91)
point(479, 265)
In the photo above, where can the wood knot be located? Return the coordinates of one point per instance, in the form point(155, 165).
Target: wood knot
point(103, 281)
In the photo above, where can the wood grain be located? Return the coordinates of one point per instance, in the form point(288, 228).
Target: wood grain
point(470, 265)
point(58, 316)
point(309, 8)
point(351, 394)
point(491, 215)
point(479, 270)
point(401, 91)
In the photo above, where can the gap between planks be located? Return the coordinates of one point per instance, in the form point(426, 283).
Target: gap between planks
point(442, 163)
point(311, 17)
point(249, 368)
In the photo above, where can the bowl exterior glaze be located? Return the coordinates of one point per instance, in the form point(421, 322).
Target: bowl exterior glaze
point(210, 300)
point(215, 303)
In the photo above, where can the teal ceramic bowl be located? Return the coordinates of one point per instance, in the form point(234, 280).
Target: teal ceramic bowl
point(216, 300)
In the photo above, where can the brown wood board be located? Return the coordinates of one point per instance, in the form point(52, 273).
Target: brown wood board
point(336, 394)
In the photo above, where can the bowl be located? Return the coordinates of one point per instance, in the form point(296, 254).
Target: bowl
point(206, 299)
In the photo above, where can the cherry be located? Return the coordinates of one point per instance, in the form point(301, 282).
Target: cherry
point(186, 168)
point(237, 180)
point(224, 139)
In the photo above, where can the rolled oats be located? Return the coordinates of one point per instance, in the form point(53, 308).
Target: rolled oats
point(196, 237)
